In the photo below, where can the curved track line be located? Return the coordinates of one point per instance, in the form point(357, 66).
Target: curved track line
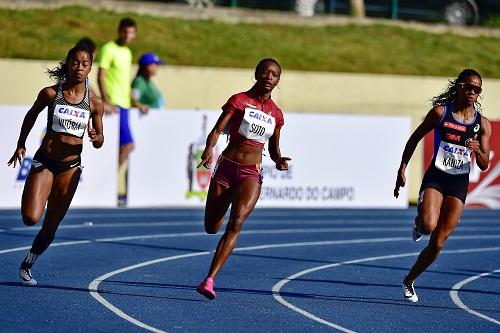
point(94, 285)
point(456, 299)
point(22, 248)
point(278, 286)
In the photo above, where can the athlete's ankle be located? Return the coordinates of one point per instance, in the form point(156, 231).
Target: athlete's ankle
point(406, 280)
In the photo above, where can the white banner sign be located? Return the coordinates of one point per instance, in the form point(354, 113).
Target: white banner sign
point(98, 182)
point(337, 160)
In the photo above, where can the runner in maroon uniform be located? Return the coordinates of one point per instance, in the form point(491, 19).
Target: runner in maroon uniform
point(459, 130)
point(252, 119)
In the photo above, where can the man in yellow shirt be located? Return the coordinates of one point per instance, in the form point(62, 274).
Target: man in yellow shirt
point(115, 65)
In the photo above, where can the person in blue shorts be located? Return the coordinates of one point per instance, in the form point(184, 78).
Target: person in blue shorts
point(460, 131)
point(115, 64)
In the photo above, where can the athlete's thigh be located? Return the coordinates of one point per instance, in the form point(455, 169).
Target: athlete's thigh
point(218, 201)
point(448, 220)
point(35, 193)
point(63, 190)
point(429, 207)
point(244, 199)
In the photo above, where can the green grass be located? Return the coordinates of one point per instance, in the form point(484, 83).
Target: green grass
point(48, 34)
point(493, 21)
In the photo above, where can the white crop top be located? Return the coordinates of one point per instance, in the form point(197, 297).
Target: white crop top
point(257, 125)
point(65, 117)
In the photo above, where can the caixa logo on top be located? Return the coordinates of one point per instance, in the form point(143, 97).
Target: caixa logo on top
point(484, 187)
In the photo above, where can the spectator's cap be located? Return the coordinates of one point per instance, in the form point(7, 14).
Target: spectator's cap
point(149, 58)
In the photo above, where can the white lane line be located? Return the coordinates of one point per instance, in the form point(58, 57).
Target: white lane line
point(94, 285)
point(22, 248)
point(247, 232)
point(116, 215)
point(456, 299)
point(198, 223)
point(250, 232)
point(90, 225)
point(278, 286)
point(258, 214)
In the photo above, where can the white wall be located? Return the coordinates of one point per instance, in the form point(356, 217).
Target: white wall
point(337, 160)
point(315, 92)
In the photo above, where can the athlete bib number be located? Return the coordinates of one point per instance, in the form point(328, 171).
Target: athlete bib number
point(68, 119)
point(257, 125)
point(453, 159)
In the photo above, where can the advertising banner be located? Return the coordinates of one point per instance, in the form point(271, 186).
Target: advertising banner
point(337, 160)
point(168, 147)
point(484, 187)
point(98, 182)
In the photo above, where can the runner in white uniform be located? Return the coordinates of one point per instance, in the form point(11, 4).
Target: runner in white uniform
point(55, 172)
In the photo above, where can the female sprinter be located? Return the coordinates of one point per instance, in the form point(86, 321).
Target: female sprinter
point(56, 166)
point(459, 130)
point(252, 119)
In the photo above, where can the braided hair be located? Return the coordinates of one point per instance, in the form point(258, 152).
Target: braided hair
point(60, 73)
point(450, 94)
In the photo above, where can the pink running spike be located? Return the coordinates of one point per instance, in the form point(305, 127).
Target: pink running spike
point(206, 288)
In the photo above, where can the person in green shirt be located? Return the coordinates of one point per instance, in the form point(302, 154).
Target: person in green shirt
point(113, 78)
point(143, 89)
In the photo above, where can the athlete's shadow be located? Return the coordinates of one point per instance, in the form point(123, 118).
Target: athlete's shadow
point(365, 284)
point(236, 253)
point(476, 272)
point(420, 287)
point(402, 269)
point(156, 247)
point(100, 291)
point(185, 287)
point(297, 295)
point(405, 269)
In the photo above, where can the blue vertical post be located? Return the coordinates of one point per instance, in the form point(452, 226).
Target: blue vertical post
point(331, 6)
point(394, 9)
point(234, 3)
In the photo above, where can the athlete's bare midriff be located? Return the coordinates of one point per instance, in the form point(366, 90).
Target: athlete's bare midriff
point(243, 153)
point(61, 147)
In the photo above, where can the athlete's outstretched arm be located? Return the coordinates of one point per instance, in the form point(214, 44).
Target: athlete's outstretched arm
point(45, 96)
point(274, 150)
point(430, 121)
point(213, 136)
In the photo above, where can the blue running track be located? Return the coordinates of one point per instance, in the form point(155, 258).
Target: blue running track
point(294, 270)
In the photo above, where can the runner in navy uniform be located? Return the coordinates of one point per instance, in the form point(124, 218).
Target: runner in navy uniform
point(253, 119)
point(459, 131)
point(56, 167)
